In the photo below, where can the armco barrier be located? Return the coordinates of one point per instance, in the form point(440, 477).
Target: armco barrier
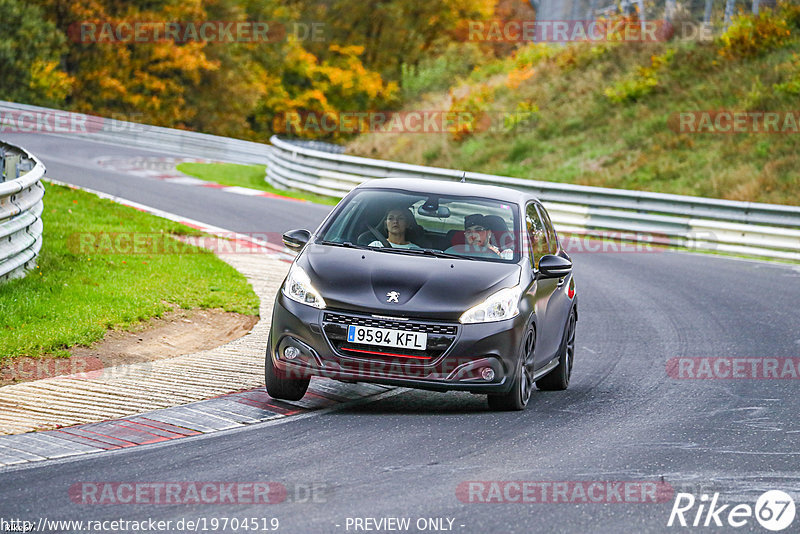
point(35, 120)
point(21, 193)
point(746, 228)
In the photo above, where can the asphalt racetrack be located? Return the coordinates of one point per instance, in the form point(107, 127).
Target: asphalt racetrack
point(632, 414)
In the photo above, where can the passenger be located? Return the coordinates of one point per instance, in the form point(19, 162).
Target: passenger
point(396, 223)
point(479, 238)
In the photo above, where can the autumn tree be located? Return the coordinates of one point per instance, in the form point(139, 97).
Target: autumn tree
point(304, 83)
point(227, 87)
point(394, 32)
point(146, 81)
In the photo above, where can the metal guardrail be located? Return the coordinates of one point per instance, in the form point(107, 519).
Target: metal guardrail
point(21, 193)
point(746, 228)
point(699, 223)
point(22, 118)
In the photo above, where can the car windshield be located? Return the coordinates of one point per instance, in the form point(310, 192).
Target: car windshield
point(433, 225)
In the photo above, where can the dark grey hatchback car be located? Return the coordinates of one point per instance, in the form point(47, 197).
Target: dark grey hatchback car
point(427, 284)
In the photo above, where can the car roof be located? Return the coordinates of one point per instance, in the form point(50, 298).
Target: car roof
point(446, 187)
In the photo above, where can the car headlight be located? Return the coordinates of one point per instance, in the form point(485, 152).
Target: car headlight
point(298, 288)
point(498, 307)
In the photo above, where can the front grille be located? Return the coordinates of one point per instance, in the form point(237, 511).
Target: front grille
point(410, 326)
point(440, 336)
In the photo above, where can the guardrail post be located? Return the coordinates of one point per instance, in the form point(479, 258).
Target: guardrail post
point(669, 11)
point(11, 168)
point(590, 14)
point(707, 14)
point(729, 7)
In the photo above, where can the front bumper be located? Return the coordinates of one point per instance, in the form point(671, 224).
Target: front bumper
point(472, 348)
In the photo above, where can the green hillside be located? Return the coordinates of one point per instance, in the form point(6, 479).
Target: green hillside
point(609, 115)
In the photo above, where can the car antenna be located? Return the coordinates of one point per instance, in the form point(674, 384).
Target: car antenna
point(464, 177)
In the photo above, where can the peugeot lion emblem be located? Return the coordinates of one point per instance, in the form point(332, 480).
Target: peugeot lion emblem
point(392, 296)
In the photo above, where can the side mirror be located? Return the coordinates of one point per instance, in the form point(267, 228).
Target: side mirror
point(551, 266)
point(296, 239)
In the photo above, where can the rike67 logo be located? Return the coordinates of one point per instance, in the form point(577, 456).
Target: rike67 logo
point(774, 510)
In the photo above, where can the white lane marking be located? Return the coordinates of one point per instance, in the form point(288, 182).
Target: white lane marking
point(235, 189)
point(184, 180)
point(164, 169)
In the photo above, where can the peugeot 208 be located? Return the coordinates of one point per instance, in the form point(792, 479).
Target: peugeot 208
point(427, 284)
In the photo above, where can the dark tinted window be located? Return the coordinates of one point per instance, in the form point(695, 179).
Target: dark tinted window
point(537, 235)
point(552, 240)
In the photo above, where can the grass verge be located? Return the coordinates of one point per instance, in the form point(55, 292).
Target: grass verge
point(251, 176)
point(74, 297)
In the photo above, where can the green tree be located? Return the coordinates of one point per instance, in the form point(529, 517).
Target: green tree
point(30, 50)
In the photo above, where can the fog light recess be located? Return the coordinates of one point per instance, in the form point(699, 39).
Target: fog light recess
point(290, 353)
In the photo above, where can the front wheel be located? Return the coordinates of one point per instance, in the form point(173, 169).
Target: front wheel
point(558, 378)
point(517, 399)
point(280, 387)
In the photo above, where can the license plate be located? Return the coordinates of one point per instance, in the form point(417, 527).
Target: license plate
point(387, 337)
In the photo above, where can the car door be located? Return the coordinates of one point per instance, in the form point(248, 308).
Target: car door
point(541, 289)
point(558, 305)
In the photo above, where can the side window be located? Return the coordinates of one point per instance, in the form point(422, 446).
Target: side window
point(536, 234)
point(552, 240)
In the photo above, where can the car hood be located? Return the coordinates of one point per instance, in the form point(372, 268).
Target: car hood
point(426, 287)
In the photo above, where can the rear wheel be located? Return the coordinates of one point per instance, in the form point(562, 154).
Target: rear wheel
point(280, 387)
point(517, 399)
point(558, 378)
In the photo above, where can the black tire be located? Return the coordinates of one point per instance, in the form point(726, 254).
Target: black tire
point(558, 378)
point(522, 385)
point(279, 387)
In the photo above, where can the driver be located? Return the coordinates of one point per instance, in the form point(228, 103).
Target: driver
point(396, 223)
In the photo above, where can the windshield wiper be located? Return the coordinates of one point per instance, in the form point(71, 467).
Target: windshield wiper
point(346, 244)
point(424, 251)
point(441, 254)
